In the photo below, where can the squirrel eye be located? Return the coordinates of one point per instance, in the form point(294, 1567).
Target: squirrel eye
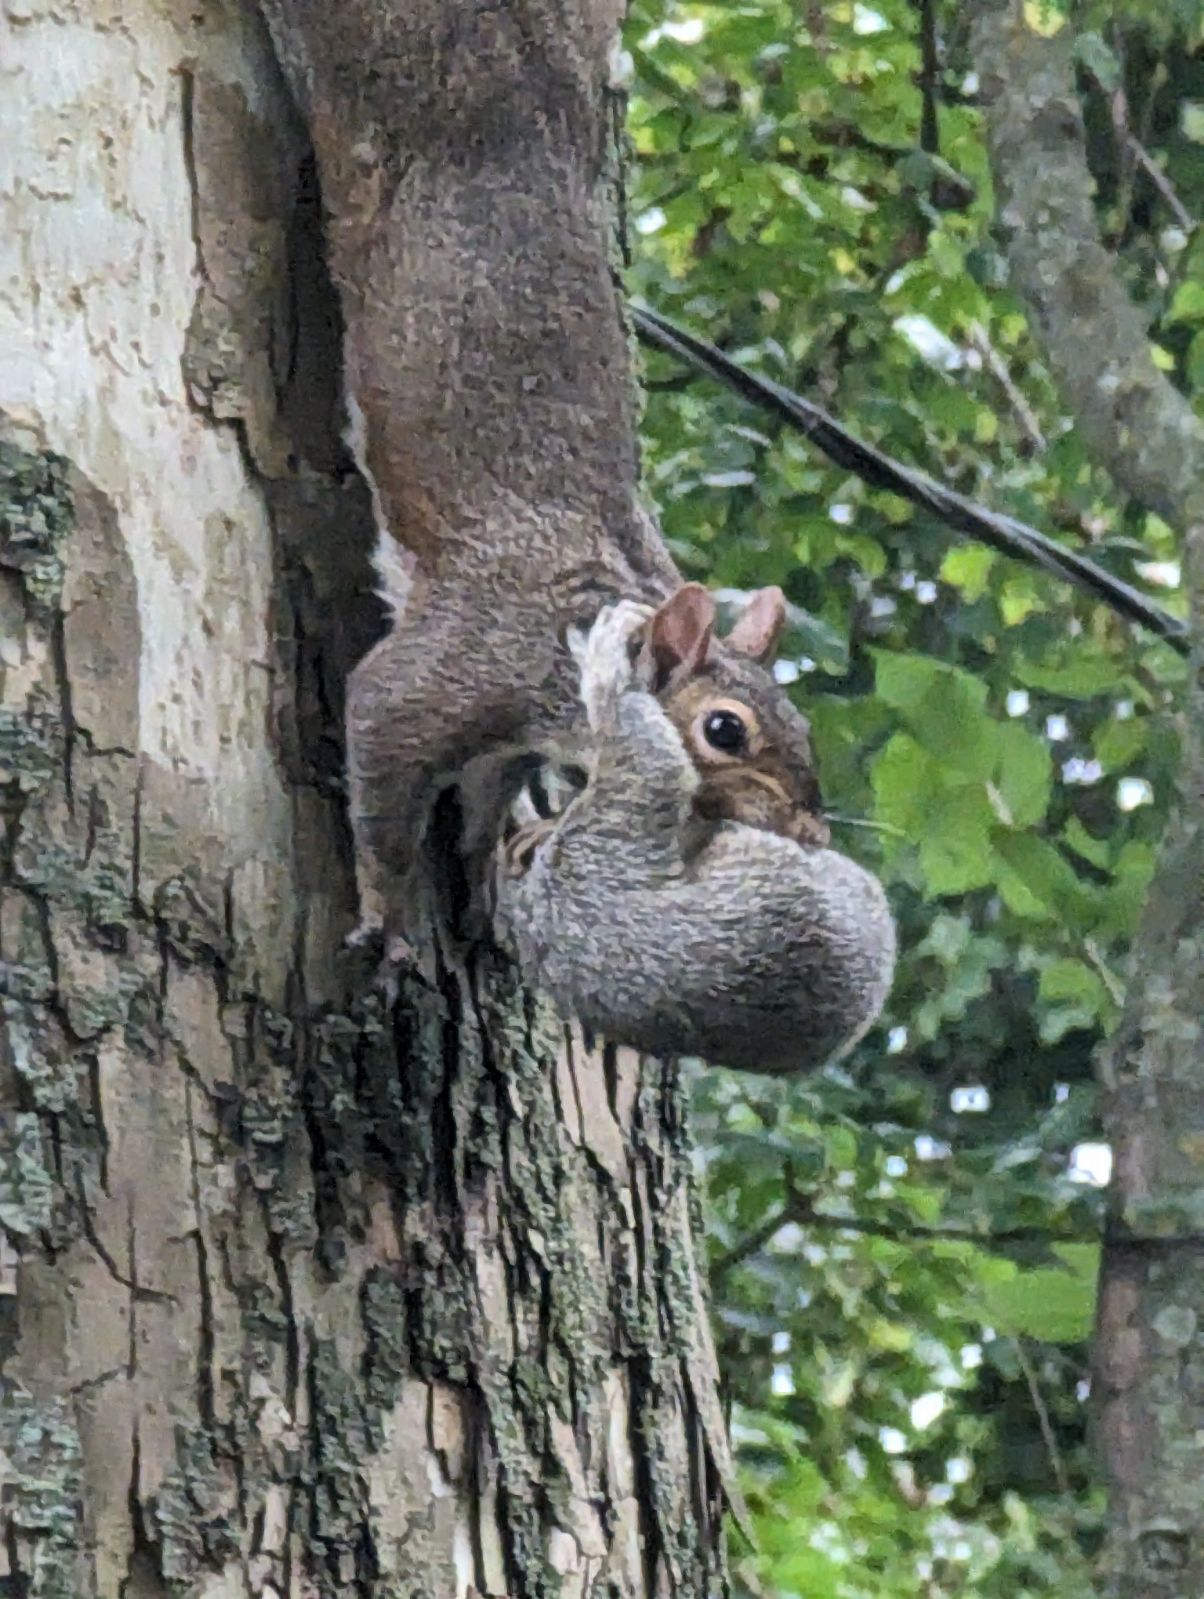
point(725, 731)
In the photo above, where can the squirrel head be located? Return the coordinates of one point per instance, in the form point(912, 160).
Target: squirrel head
point(750, 745)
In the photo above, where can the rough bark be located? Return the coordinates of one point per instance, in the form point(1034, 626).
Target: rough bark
point(1149, 1389)
point(297, 1296)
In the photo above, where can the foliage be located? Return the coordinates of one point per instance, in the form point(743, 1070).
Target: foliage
point(910, 1405)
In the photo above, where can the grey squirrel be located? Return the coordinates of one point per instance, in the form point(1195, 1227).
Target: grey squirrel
point(468, 160)
point(685, 902)
point(676, 931)
point(485, 736)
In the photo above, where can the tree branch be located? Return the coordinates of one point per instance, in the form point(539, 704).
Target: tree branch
point(752, 1243)
point(1021, 409)
point(799, 1209)
point(1048, 1437)
point(1133, 420)
point(1162, 183)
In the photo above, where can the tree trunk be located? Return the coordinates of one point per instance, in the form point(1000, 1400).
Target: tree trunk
point(298, 1295)
point(1149, 1395)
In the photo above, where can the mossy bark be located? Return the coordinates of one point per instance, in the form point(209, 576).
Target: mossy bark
point(298, 1294)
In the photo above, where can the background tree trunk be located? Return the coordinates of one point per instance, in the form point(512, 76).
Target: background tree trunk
point(1149, 1397)
point(297, 1296)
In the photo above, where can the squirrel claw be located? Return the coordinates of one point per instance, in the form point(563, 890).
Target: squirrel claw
point(519, 849)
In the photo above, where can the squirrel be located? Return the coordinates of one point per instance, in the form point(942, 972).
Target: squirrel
point(750, 746)
point(467, 160)
point(675, 927)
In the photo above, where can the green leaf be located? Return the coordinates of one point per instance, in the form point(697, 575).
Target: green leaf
point(1037, 875)
point(1191, 120)
point(1118, 744)
point(903, 777)
point(1078, 677)
point(955, 850)
point(906, 681)
point(1054, 1305)
point(944, 708)
point(1095, 850)
point(1075, 996)
point(1099, 59)
point(808, 1571)
point(1188, 304)
point(968, 568)
point(1195, 361)
point(1025, 774)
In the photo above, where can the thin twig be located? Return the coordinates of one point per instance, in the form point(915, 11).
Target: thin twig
point(1024, 412)
point(799, 1209)
point(1162, 183)
point(1047, 1433)
point(1115, 987)
point(753, 1243)
point(919, 1233)
point(837, 820)
point(1134, 148)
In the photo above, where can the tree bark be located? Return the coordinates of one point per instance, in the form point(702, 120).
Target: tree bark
point(298, 1295)
point(1149, 1394)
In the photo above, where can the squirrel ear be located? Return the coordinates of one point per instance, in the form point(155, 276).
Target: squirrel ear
point(679, 634)
point(760, 625)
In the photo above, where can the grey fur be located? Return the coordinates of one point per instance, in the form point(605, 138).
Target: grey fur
point(747, 949)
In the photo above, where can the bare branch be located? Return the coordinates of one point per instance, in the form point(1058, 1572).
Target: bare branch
point(752, 1243)
point(1048, 1436)
point(799, 1209)
point(1021, 409)
point(1162, 183)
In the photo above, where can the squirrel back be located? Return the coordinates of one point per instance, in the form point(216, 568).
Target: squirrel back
point(467, 166)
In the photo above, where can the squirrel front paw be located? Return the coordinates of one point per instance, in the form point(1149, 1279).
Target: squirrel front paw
point(518, 851)
point(607, 668)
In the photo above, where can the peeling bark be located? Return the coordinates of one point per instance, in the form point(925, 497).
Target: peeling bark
point(1149, 1395)
point(297, 1296)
